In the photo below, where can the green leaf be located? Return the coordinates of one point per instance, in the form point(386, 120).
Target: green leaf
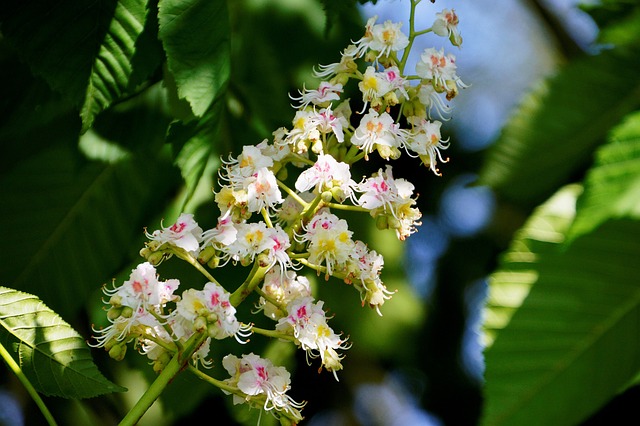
point(53, 356)
point(195, 36)
point(78, 29)
point(102, 50)
point(558, 316)
point(193, 145)
point(612, 186)
point(69, 226)
point(127, 56)
point(553, 132)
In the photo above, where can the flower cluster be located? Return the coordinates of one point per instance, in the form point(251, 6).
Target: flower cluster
point(280, 204)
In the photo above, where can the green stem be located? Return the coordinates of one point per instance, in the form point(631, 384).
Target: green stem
point(215, 382)
point(265, 216)
point(177, 364)
point(270, 299)
point(194, 262)
point(412, 36)
point(346, 207)
point(273, 333)
point(295, 196)
point(11, 363)
point(253, 279)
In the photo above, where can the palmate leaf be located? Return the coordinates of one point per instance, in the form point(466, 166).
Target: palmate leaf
point(70, 226)
point(58, 39)
point(193, 143)
point(93, 53)
point(53, 356)
point(558, 315)
point(612, 185)
point(555, 129)
point(195, 36)
point(128, 54)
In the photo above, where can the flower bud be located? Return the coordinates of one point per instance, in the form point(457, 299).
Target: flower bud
point(156, 258)
point(263, 260)
point(214, 262)
point(327, 196)
point(338, 194)
point(394, 223)
point(127, 312)
point(200, 324)
point(382, 222)
point(118, 351)
point(340, 78)
point(114, 312)
point(206, 254)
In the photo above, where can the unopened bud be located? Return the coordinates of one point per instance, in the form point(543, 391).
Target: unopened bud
point(338, 194)
point(327, 196)
point(114, 312)
point(382, 222)
point(214, 262)
point(156, 258)
point(118, 351)
point(394, 223)
point(200, 324)
point(206, 254)
point(126, 312)
point(263, 260)
point(145, 252)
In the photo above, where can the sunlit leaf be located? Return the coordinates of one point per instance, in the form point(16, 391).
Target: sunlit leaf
point(53, 356)
point(193, 144)
point(553, 132)
point(195, 36)
point(612, 186)
point(557, 316)
point(123, 53)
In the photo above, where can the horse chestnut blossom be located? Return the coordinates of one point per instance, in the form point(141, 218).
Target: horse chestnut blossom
point(308, 324)
point(446, 25)
point(262, 384)
point(427, 142)
point(280, 218)
point(184, 233)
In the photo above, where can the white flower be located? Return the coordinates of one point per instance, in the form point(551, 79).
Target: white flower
point(366, 267)
point(329, 241)
point(213, 306)
point(328, 121)
point(428, 96)
point(446, 25)
point(388, 38)
point(224, 234)
point(374, 84)
point(185, 233)
point(251, 240)
point(277, 246)
point(262, 190)
point(346, 64)
point(376, 131)
point(379, 190)
point(326, 92)
point(307, 322)
point(326, 174)
point(440, 69)
point(143, 289)
point(256, 376)
point(282, 287)
point(427, 143)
